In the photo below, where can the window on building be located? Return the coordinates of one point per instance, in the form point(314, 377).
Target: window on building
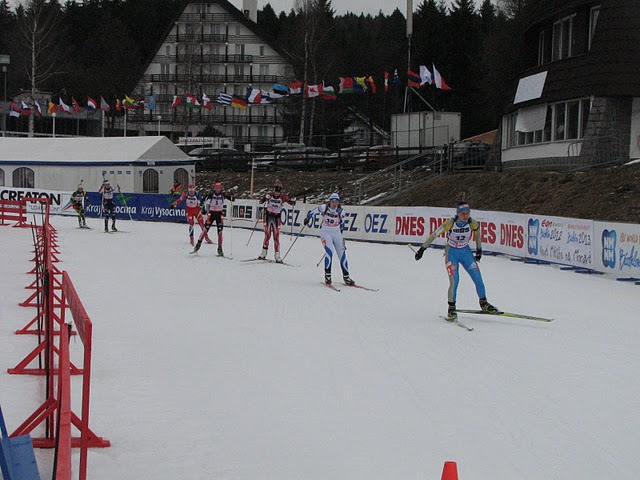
point(237, 131)
point(182, 176)
point(262, 50)
point(1, 177)
point(563, 38)
point(564, 121)
point(264, 69)
point(237, 30)
point(240, 91)
point(238, 69)
point(239, 48)
point(150, 181)
point(23, 177)
point(593, 20)
point(215, 28)
point(167, 50)
point(165, 69)
point(541, 47)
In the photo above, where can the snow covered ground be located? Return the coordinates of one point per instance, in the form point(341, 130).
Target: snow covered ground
point(212, 368)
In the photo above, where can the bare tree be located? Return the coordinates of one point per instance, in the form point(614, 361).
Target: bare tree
point(39, 28)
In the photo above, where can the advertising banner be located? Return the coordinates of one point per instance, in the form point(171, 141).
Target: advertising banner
point(561, 240)
point(411, 224)
point(502, 232)
point(58, 200)
point(617, 248)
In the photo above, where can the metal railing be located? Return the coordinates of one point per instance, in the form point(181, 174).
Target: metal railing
point(205, 17)
point(198, 38)
point(213, 58)
point(399, 177)
point(211, 78)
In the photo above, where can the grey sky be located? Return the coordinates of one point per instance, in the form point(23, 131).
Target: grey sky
point(344, 6)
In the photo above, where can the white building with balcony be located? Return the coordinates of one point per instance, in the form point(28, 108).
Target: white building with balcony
point(213, 47)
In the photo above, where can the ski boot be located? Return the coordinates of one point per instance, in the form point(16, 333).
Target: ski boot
point(263, 254)
point(487, 307)
point(220, 252)
point(277, 257)
point(106, 229)
point(113, 228)
point(327, 276)
point(452, 315)
point(197, 247)
point(84, 224)
point(191, 240)
point(347, 280)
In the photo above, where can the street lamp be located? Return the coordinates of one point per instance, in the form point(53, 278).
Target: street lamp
point(53, 115)
point(159, 118)
point(4, 61)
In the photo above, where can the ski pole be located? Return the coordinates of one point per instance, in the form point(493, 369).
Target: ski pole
point(411, 247)
point(231, 233)
point(124, 200)
point(294, 242)
point(322, 258)
point(253, 231)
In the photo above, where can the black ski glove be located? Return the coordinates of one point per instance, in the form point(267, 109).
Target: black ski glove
point(419, 253)
point(307, 221)
point(478, 254)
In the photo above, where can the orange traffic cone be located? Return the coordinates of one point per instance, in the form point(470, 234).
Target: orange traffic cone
point(450, 471)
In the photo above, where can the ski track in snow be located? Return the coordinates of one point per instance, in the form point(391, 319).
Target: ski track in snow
point(206, 367)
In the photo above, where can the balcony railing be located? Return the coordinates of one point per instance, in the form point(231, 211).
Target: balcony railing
point(205, 17)
point(196, 117)
point(198, 38)
point(214, 58)
point(211, 78)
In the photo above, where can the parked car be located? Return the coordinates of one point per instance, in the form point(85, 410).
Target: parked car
point(377, 157)
point(300, 158)
point(218, 159)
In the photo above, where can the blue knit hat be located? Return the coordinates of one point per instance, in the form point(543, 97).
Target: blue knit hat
point(463, 208)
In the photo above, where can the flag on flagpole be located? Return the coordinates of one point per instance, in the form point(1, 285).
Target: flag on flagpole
point(151, 102)
point(224, 98)
point(37, 110)
point(24, 109)
point(413, 79)
point(386, 81)
point(396, 78)
point(313, 90)
point(91, 103)
point(118, 104)
point(372, 84)
point(425, 75)
point(53, 108)
point(295, 88)
point(206, 102)
point(65, 108)
point(129, 103)
point(15, 110)
point(328, 93)
point(281, 89)
point(360, 84)
point(74, 106)
point(438, 80)
point(104, 105)
point(254, 95)
point(176, 101)
point(346, 85)
point(192, 102)
point(238, 102)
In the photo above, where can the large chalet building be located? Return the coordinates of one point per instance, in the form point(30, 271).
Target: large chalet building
point(578, 103)
point(213, 47)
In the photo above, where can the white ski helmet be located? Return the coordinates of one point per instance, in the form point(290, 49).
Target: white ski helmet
point(334, 196)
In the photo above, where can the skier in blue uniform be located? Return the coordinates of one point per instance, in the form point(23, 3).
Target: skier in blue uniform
point(459, 231)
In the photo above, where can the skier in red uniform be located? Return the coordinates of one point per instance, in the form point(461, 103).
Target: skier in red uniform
point(274, 203)
point(192, 209)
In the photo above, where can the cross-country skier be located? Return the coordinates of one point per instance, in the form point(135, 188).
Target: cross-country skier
point(214, 205)
point(332, 216)
point(459, 231)
point(275, 201)
point(192, 209)
point(108, 207)
point(79, 199)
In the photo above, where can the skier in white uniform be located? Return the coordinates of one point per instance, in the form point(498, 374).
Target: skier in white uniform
point(332, 217)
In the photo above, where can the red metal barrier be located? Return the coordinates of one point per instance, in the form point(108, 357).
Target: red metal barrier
point(12, 211)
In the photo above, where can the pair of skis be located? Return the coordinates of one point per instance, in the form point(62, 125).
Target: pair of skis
point(355, 285)
point(497, 314)
point(268, 260)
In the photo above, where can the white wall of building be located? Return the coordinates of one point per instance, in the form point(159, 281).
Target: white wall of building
point(542, 150)
point(634, 147)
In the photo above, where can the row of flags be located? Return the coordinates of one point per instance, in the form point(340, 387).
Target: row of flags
point(347, 85)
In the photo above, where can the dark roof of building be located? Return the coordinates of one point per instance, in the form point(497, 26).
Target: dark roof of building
point(611, 68)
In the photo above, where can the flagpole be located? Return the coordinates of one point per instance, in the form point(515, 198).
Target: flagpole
point(102, 123)
point(125, 122)
point(409, 33)
point(53, 115)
